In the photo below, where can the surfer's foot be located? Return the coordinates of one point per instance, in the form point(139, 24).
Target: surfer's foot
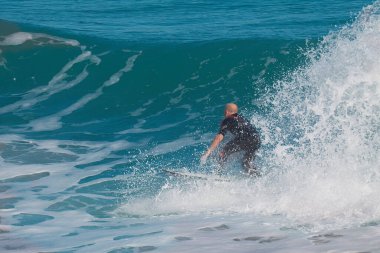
point(218, 171)
point(253, 173)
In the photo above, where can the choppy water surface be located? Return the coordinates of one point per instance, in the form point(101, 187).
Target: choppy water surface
point(89, 120)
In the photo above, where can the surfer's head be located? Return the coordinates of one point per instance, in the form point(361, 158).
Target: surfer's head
point(230, 109)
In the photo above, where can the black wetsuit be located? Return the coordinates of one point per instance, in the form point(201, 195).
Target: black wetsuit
point(246, 139)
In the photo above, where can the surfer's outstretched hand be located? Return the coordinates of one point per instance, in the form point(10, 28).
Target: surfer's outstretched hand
point(204, 159)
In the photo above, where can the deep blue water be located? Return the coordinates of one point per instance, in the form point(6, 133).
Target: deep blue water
point(97, 98)
point(186, 20)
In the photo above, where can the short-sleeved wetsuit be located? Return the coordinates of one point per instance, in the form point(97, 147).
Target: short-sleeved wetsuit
point(246, 138)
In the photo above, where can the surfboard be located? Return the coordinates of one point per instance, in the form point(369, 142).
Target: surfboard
point(188, 174)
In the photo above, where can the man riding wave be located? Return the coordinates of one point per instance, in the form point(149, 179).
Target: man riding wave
point(246, 138)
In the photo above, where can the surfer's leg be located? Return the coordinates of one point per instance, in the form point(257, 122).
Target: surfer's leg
point(249, 156)
point(230, 148)
point(248, 165)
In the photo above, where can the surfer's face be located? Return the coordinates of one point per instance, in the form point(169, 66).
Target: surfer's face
point(226, 113)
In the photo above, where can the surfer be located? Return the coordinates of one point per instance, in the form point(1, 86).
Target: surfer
point(246, 138)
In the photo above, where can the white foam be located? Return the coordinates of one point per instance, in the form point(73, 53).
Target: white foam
point(3, 61)
point(326, 143)
point(15, 39)
point(139, 111)
point(55, 85)
point(137, 129)
point(52, 122)
point(173, 146)
point(20, 38)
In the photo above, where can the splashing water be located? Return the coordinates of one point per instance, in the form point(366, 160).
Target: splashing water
point(321, 138)
point(326, 141)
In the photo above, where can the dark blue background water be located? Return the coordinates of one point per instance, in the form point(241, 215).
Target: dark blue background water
point(186, 20)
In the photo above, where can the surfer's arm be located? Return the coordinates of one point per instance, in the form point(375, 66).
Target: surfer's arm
point(218, 138)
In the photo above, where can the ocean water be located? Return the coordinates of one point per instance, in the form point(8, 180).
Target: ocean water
point(98, 98)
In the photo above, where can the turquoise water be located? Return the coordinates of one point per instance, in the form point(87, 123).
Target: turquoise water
point(96, 99)
point(175, 21)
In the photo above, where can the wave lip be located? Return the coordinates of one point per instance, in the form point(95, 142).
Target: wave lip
point(19, 38)
point(325, 142)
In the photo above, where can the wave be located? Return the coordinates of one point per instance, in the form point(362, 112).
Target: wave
point(321, 139)
point(67, 81)
point(112, 114)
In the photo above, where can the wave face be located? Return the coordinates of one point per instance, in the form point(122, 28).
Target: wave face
point(320, 124)
point(87, 124)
